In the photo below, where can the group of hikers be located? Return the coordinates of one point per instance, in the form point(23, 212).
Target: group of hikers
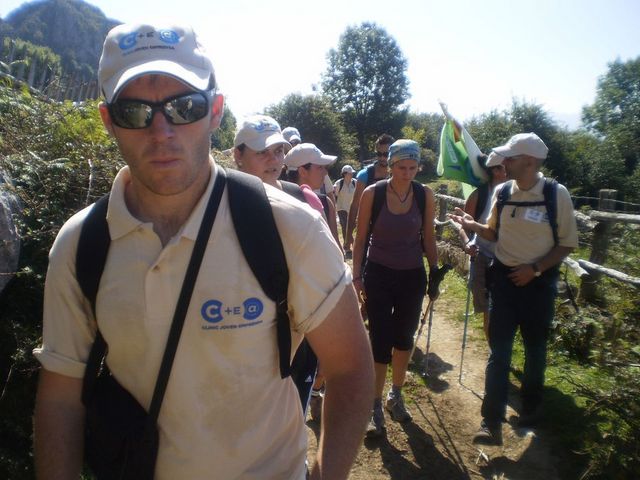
point(222, 302)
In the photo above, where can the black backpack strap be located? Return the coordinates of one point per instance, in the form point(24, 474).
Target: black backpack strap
point(261, 245)
point(294, 190)
point(93, 247)
point(341, 184)
point(325, 204)
point(91, 256)
point(483, 197)
point(503, 197)
point(371, 174)
point(419, 196)
point(549, 190)
point(379, 197)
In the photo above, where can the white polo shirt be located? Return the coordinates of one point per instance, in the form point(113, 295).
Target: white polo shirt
point(226, 412)
point(525, 235)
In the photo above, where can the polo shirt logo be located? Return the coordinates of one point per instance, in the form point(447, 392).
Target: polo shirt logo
point(239, 316)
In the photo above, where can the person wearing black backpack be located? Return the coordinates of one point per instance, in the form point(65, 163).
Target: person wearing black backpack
point(369, 175)
point(178, 288)
point(399, 213)
point(533, 224)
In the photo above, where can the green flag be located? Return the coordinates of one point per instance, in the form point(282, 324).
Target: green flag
point(458, 159)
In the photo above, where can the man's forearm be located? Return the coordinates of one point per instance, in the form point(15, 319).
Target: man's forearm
point(553, 258)
point(58, 431)
point(347, 409)
point(484, 231)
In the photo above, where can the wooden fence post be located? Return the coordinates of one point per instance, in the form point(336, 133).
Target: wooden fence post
point(442, 215)
point(599, 247)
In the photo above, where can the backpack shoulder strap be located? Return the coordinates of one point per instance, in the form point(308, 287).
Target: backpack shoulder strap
point(503, 197)
point(483, 197)
point(379, 197)
point(371, 174)
point(294, 190)
point(325, 203)
point(550, 191)
point(91, 256)
point(419, 196)
point(262, 247)
point(340, 184)
point(93, 247)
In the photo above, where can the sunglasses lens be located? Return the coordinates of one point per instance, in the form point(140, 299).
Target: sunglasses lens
point(180, 110)
point(186, 109)
point(131, 114)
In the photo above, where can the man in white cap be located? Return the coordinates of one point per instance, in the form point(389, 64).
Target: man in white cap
point(226, 411)
point(533, 223)
point(481, 251)
point(345, 189)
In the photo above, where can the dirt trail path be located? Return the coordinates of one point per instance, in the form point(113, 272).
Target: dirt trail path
point(437, 444)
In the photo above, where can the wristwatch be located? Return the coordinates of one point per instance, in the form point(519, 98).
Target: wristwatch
point(536, 270)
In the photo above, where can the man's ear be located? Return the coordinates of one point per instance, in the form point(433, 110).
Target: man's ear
point(217, 110)
point(106, 118)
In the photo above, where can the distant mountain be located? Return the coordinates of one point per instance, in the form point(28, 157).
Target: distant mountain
point(73, 29)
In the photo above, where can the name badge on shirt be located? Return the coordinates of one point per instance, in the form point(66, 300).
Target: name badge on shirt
point(533, 215)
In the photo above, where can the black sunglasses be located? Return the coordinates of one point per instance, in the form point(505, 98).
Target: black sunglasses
point(179, 110)
point(381, 154)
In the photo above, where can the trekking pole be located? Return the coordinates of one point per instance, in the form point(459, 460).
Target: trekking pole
point(442, 272)
point(426, 355)
point(417, 337)
point(466, 322)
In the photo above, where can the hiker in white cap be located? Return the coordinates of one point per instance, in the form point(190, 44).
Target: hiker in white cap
point(480, 250)
point(259, 147)
point(345, 188)
point(229, 410)
point(398, 213)
point(534, 227)
point(307, 165)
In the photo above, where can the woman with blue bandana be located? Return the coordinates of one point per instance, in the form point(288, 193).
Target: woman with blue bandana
point(394, 280)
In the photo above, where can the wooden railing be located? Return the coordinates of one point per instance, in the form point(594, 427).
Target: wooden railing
point(599, 222)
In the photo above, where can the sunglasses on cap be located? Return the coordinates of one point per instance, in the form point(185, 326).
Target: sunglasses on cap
point(178, 110)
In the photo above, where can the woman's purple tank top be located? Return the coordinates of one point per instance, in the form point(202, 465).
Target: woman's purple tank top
point(395, 239)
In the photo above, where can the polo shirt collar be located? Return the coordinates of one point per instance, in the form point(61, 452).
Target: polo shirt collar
point(121, 222)
point(535, 190)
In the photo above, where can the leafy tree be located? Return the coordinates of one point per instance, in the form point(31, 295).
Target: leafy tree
point(222, 138)
point(317, 122)
point(366, 82)
point(615, 113)
point(58, 158)
point(425, 129)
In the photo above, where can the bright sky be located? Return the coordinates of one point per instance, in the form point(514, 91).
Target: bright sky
point(475, 55)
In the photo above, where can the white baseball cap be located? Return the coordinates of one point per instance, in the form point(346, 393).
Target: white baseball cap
point(133, 50)
point(494, 160)
point(347, 169)
point(523, 144)
point(307, 153)
point(291, 134)
point(259, 132)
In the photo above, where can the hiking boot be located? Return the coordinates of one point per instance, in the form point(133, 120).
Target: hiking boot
point(395, 406)
point(376, 427)
point(315, 406)
point(489, 434)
